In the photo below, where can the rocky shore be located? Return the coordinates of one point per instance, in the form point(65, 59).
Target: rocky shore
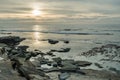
point(17, 64)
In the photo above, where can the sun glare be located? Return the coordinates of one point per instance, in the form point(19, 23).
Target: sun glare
point(36, 12)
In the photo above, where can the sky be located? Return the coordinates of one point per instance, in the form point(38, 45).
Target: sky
point(64, 11)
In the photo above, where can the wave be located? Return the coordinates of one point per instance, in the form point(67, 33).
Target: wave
point(60, 32)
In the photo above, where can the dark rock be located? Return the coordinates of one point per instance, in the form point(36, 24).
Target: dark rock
point(5, 33)
point(69, 66)
point(83, 63)
point(54, 64)
point(67, 42)
point(25, 71)
point(115, 70)
point(98, 65)
point(31, 54)
point(50, 53)
point(42, 60)
point(20, 69)
point(49, 63)
point(58, 59)
point(2, 50)
point(71, 61)
point(65, 50)
point(11, 40)
point(22, 48)
point(52, 41)
point(62, 50)
point(67, 29)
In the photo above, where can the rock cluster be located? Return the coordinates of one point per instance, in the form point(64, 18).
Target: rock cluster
point(11, 40)
point(110, 50)
point(20, 59)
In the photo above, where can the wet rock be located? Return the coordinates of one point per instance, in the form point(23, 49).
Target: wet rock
point(54, 64)
point(11, 40)
point(65, 50)
point(68, 66)
point(65, 41)
point(43, 60)
point(98, 65)
point(67, 29)
point(114, 70)
point(104, 74)
point(2, 50)
point(22, 48)
point(25, 71)
point(71, 61)
point(63, 76)
point(58, 59)
point(5, 33)
point(3, 45)
point(31, 54)
point(7, 73)
point(82, 63)
point(62, 50)
point(110, 51)
point(20, 69)
point(50, 53)
point(52, 41)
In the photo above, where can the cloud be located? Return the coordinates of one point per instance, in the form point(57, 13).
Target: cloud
point(62, 10)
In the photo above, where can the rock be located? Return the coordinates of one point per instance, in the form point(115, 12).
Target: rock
point(42, 60)
point(98, 65)
point(25, 71)
point(82, 63)
point(58, 59)
point(50, 53)
point(2, 50)
point(11, 40)
point(5, 33)
point(115, 70)
point(63, 76)
point(22, 48)
point(7, 73)
point(70, 61)
point(62, 50)
point(67, 42)
point(65, 49)
point(69, 66)
point(54, 64)
point(3, 45)
point(52, 41)
point(20, 69)
point(67, 29)
point(33, 54)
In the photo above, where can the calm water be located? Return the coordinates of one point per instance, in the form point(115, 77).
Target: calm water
point(81, 37)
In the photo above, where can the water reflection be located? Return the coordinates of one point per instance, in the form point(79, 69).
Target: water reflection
point(37, 35)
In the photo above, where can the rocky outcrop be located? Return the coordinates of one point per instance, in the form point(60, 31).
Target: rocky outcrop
point(11, 40)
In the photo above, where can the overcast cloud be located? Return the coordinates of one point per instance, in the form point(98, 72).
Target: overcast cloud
point(100, 11)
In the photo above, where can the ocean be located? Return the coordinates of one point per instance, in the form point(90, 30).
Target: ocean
point(81, 37)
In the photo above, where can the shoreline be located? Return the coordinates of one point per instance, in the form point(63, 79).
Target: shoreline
point(61, 64)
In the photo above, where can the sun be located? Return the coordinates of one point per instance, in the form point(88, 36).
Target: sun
point(36, 12)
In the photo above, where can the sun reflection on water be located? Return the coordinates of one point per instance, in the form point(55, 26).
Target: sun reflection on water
point(37, 35)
